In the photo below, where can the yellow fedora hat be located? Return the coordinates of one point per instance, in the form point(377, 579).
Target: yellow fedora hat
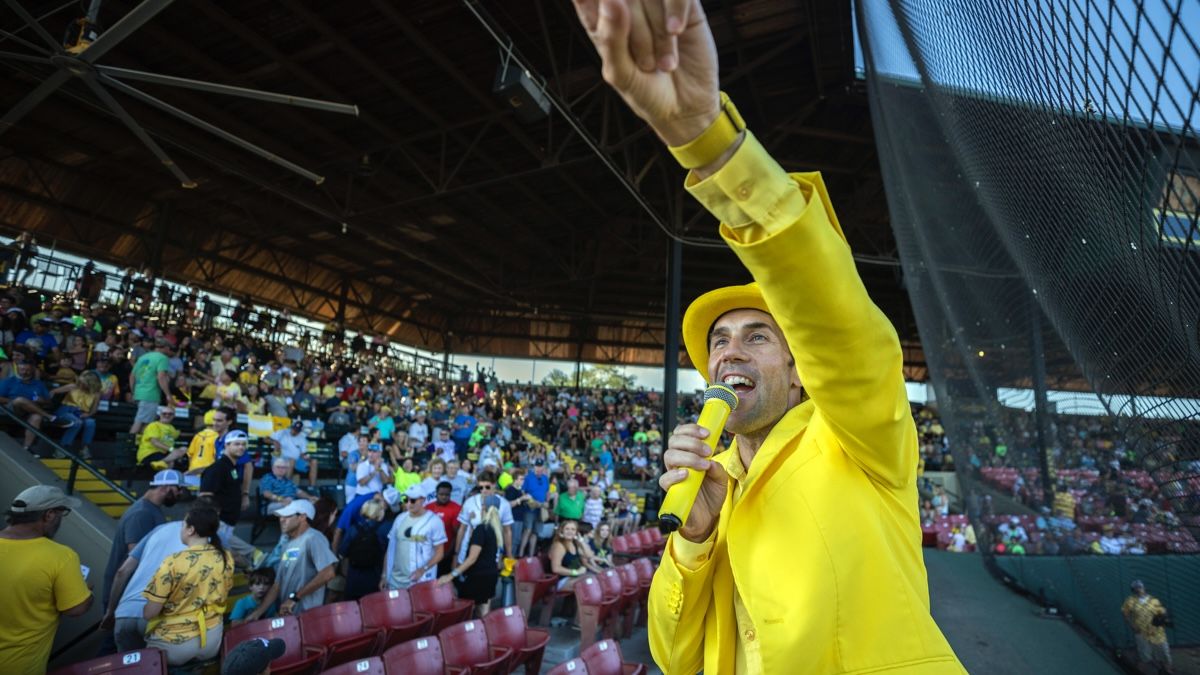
point(706, 309)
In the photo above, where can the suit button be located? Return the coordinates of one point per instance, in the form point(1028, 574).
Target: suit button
point(744, 191)
point(750, 635)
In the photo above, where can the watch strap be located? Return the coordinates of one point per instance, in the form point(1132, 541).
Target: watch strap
point(716, 139)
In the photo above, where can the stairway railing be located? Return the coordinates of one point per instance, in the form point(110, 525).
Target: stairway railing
point(77, 462)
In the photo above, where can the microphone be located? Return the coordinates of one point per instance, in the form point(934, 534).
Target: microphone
point(719, 401)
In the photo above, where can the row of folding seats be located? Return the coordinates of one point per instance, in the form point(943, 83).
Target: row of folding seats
point(538, 590)
point(342, 632)
point(602, 658)
point(495, 645)
point(645, 542)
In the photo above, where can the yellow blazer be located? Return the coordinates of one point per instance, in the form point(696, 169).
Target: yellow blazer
point(825, 541)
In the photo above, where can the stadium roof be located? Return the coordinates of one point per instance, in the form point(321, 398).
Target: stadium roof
point(443, 220)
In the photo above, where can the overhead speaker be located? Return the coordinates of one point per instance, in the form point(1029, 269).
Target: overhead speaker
point(514, 86)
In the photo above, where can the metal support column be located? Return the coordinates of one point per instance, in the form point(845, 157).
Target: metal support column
point(1041, 411)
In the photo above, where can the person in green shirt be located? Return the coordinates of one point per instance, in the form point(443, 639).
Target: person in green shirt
point(150, 381)
point(406, 476)
point(570, 503)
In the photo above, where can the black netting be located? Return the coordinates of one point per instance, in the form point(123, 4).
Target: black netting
point(1043, 176)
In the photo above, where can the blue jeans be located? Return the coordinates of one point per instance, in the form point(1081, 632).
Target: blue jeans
point(87, 424)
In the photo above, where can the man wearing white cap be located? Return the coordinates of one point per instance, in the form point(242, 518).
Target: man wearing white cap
point(43, 579)
point(306, 563)
point(416, 544)
point(138, 521)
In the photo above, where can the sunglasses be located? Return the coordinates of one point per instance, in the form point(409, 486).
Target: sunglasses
point(487, 487)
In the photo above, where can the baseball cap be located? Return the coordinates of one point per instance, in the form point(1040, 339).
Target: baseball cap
point(539, 462)
point(42, 498)
point(298, 506)
point(165, 409)
point(253, 656)
point(167, 477)
point(414, 492)
point(298, 425)
point(374, 447)
point(236, 435)
point(45, 320)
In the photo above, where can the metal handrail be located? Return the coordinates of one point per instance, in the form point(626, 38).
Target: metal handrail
point(76, 460)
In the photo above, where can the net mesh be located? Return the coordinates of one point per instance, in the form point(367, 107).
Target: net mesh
point(1043, 177)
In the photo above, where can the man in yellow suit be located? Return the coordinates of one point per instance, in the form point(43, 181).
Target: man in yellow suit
point(802, 553)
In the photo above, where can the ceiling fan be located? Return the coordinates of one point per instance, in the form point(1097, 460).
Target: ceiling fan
point(78, 57)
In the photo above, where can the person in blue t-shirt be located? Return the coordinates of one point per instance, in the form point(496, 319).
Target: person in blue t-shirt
point(261, 581)
point(37, 337)
point(606, 463)
point(25, 395)
point(464, 426)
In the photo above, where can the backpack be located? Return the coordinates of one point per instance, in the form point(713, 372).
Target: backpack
point(364, 549)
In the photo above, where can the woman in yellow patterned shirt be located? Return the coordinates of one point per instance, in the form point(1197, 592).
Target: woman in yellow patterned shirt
point(185, 601)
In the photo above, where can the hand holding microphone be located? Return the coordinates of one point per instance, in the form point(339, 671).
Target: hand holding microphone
point(693, 505)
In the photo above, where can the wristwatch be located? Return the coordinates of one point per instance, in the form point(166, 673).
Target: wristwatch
point(293, 597)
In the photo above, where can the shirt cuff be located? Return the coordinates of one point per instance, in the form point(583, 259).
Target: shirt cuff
point(691, 555)
point(750, 189)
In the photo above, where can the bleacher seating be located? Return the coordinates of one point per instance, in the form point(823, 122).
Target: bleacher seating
point(148, 661)
point(506, 627)
point(536, 588)
point(392, 613)
point(597, 610)
point(604, 658)
point(298, 659)
point(422, 656)
point(369, 666)
point(442, 602)
point(338, 628)
point(466, 645)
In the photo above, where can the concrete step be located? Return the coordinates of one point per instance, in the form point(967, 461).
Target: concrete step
point(103, 498)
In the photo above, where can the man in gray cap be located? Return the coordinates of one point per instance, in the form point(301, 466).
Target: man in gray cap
point(44, 579)
point(138, 520)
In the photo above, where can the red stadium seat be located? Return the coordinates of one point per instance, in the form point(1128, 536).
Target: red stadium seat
point(572, 667)
point(535, 587)
point(604, 658)
point(465, 645)
point(596, 611)
point(339, 629)
point(141, 662)
point(441, 602)
point(369, 666)
point(626, 607)
point(422, 656)
point(657, 539)
point(626, 546)
point(392, 612)
point(506, 628)
point(632, 585)
point(645, 570)
point(297, 658)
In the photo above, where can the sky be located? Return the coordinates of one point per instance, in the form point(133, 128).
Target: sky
point(1087, 57)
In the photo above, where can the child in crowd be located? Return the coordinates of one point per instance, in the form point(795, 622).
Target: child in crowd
point(261, 581)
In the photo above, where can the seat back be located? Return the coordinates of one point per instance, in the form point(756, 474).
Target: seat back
point(656, 536)
point(644, 539)
point(386, 609)
point(371, 666)
point(529, 569)
point(620, 544)
point(611, 582)
point(422, 656)
point(428, 596)
point(327, 624)
point(286, 628)
point(572, 667)
point(629, 576)
point(505, 627)
point(465, 644)
point(603, 658)
point(645, 569)
point(588, 591)
point(140, 662)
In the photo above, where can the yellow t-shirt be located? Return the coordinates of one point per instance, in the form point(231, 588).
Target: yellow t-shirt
point(202, 451)
point(404, 480)
point(164, 433)
point(193, 581)
point(1140, 613)
point(43, 579)
point(80, 399)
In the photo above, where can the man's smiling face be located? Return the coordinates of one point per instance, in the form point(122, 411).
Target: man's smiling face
point(748, 353)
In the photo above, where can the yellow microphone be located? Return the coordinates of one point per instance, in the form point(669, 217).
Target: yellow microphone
point(719, 401)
